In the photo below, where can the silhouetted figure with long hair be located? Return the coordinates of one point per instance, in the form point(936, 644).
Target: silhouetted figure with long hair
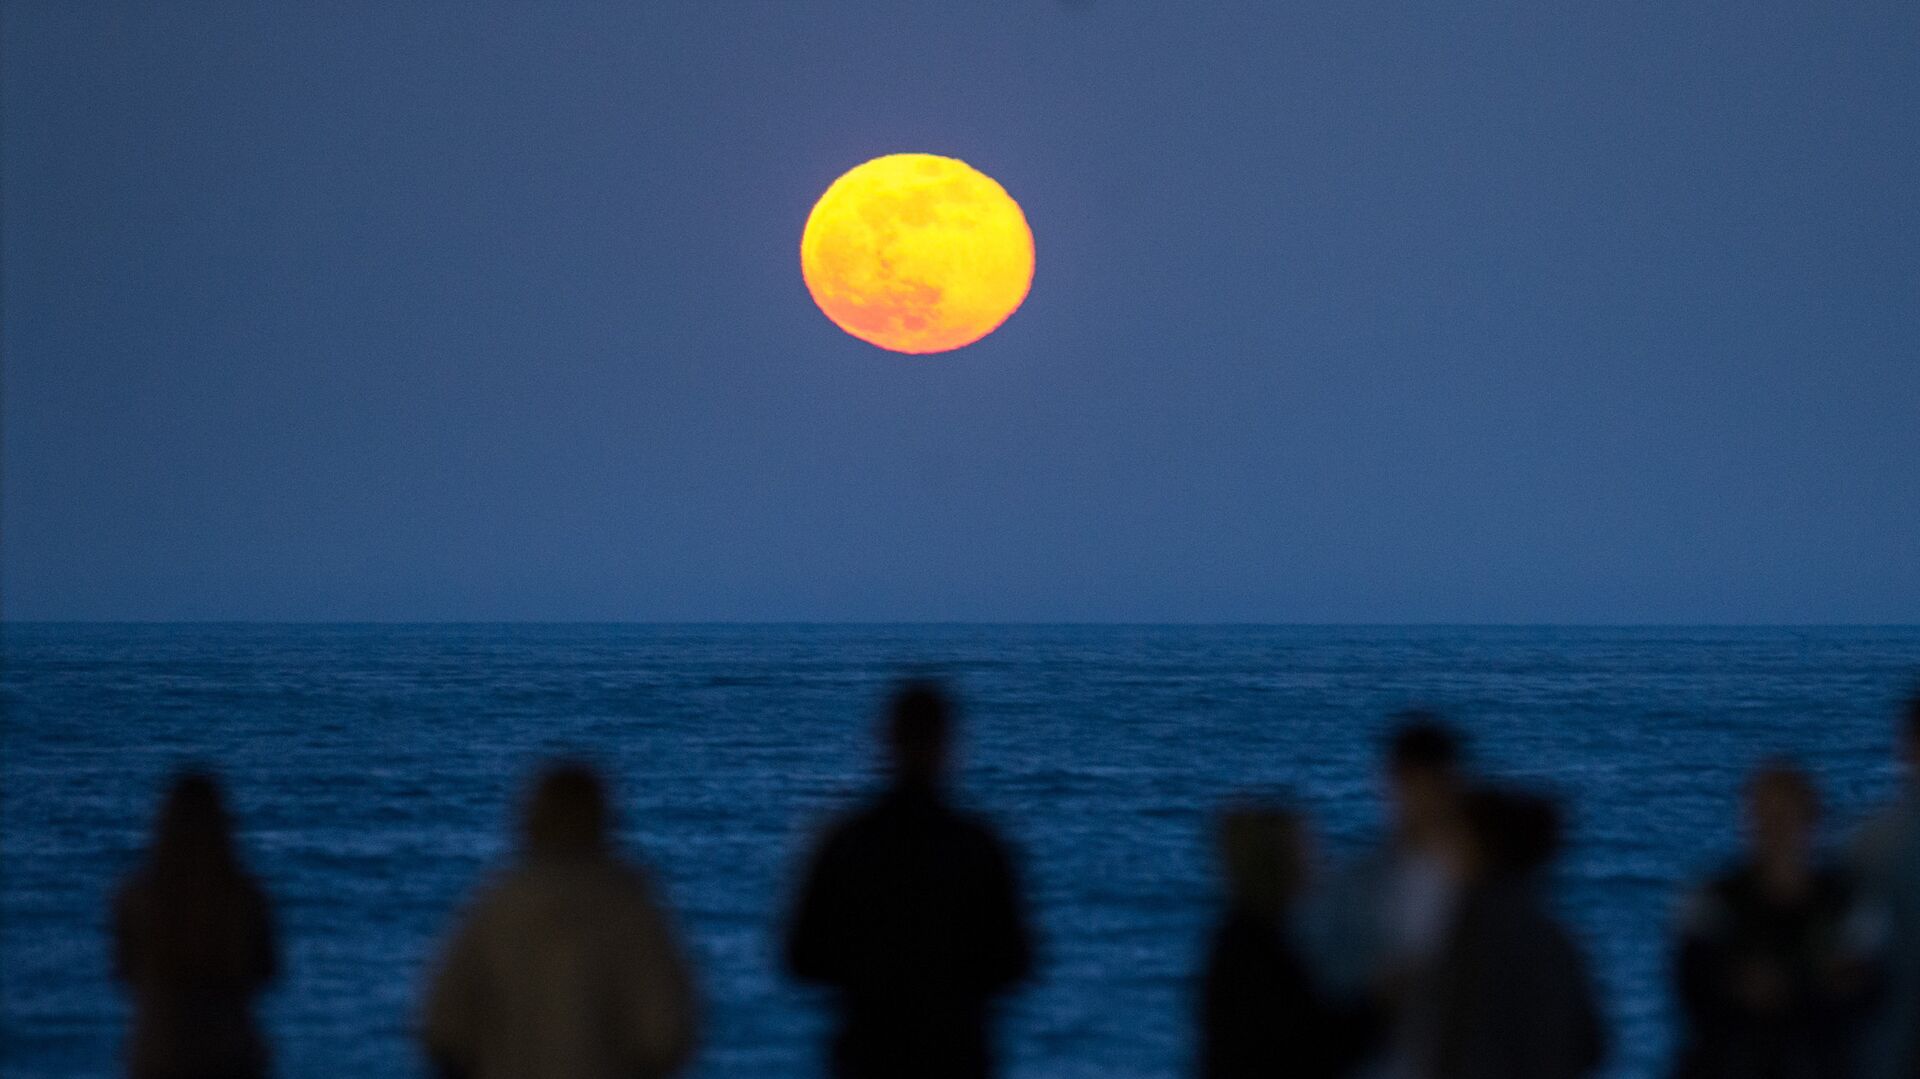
point(1261, 1014)
point(193, 941)
point(911, 913)
point(565, 965)
point(1774, 969)
point(1886, 858)
point(1511, 995)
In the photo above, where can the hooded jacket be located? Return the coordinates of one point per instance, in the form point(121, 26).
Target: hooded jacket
point(562, 968)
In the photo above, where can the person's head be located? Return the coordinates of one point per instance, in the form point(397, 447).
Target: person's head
point(566, 814)
point(193, 888)
point(1783, 807)
point(1506, 833)
point(1423, 771)
point(918, 731)
point(1263, 855)
point(192, 833)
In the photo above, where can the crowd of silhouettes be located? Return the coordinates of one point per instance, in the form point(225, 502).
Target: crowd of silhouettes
point(1436, 956)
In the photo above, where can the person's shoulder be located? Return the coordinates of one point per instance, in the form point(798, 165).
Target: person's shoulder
point(516, 886)
point(869, 813)
point(847, 838)
point(1229, 943)
point(1735, 877)
point(624, 897)
point(131, 903)
point(978, 831)
point(253, 893)
point(629, 879)
point(495, 889)
point(974, 822)
point(1734, 882)
point(608, 873)
point(853, 825)
point(133, 887)
point(887, 812)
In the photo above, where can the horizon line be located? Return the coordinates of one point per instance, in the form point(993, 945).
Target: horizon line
point(881, 623)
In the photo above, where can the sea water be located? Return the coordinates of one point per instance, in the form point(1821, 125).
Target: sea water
point(374, 770)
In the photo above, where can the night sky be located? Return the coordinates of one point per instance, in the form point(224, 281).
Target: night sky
point(1343, 312)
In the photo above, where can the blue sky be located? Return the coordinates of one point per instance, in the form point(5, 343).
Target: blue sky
point(1343, 312)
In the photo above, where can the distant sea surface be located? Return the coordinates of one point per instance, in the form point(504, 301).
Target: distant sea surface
point(374, 770)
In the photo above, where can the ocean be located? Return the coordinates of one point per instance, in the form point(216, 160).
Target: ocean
point(374, 771)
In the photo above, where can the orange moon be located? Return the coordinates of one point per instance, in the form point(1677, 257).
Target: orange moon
point(917, 253)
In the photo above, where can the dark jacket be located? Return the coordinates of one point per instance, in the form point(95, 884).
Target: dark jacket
point(193, 955)
point(1732, 932)
point(911, 911)
point(1511, 995)
point(1261, 1014)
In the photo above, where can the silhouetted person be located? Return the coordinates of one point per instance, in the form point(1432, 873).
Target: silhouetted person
point(1261, 1014)
point(1886, 858)
point(193, 940)
point(564, 966)
point(1773, 974)
point(910, 911)
point(1376, 931)
point(1511, 995)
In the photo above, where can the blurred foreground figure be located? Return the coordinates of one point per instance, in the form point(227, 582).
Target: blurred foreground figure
point(1511, 995)
point(1377, 931)
point(910, 911)
point(1774, 967)
point(1260, 1012)
point(565, 966)
point(193, 940)
point(1886, 856)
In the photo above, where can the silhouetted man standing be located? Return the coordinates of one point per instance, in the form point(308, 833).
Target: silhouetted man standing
point(1378, 930)
point(1777, 960)
point(911, 912)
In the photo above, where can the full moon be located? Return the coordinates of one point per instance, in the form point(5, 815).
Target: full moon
point(917, 253)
